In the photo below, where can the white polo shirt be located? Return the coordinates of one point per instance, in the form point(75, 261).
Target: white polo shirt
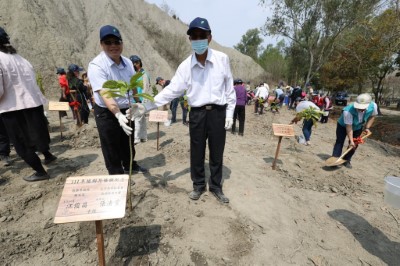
point(209, 84)
point(103, 68)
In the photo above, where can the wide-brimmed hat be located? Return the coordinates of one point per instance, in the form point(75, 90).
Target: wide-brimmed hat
point(362, 101)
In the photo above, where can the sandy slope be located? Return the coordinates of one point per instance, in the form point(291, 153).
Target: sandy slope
point(300, 214)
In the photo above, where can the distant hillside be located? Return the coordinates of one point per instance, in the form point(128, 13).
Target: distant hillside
point(53, 33)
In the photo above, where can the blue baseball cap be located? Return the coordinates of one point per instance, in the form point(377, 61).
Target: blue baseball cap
point(108, 30)
point(198, 23)
point(73, 68)
point(134, 58)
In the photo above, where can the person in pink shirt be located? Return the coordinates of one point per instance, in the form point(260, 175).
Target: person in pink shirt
point(21, 109)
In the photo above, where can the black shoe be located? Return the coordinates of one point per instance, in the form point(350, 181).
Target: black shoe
point(37, 177)
point(49, 159)
point(220, 196)
point(195, 195)
point(348, 165)
point(138, 169)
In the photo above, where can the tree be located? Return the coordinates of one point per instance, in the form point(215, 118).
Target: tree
point(273, 60)
point(250, 44)
point(314, 25)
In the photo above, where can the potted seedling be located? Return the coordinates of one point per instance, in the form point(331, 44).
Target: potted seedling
point(120, 88)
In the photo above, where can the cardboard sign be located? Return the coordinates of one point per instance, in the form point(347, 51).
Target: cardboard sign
point(283, 130)
point(92, 198)
point(58, 106)
point(158, 116)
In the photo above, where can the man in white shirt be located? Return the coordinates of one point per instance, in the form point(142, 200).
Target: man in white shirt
point(110, 112)
point(262, 97)
point(307, 123)
point(206, 77)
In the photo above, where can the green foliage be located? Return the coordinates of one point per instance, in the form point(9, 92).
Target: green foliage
point(310, 113)
point(274, 61)
point(154, 90)
point(121, 88)
point(313, 27)
point(39, 81)
point(250, 43)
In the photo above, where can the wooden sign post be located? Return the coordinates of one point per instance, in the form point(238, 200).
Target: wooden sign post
point(59, 106)
point(93, 198)
point(158, 116)
point(281, 131)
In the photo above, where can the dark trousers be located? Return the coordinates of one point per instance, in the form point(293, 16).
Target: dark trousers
point(184, 112)
point(324, 118)
point(28, 132)
point(4, 140)
point(307, 129)
point(340, 138)
point(207, 124)
point(239, 114)
point(114, 142)
point(174, 106)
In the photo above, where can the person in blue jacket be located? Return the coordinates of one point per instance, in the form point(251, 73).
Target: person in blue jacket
point(356, 118)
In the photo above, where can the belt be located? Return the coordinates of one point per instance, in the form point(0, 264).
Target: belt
point(209, 107)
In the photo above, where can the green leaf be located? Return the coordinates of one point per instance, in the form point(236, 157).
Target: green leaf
point(136, 77)
point(111, 94)
point(111, 84)
point(146, 96)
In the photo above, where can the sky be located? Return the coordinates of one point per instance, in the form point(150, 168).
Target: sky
point(229, 19)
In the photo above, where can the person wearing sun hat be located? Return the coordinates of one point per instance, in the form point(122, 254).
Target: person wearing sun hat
point(356, 118)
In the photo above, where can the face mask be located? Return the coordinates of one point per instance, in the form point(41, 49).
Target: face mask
point(200, 46)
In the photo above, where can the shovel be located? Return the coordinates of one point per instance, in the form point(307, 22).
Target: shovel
point(335, 161)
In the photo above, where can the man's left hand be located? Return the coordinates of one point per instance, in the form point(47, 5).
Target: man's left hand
point(228, 123)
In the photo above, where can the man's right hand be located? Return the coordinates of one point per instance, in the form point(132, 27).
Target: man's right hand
point(137, 110)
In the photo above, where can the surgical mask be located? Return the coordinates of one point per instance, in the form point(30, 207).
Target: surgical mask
point(200, 46)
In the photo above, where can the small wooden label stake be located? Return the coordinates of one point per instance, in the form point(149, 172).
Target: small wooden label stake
point(158, 116)
point(281, 131)
point(59, 106)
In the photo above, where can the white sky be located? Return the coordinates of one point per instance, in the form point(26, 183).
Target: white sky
point(229, 19)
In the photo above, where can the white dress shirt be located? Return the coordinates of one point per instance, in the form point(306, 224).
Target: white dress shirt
point(262, 92)
point(103, 68)
point(209, 84)
point(303, 105)
point(18, 87)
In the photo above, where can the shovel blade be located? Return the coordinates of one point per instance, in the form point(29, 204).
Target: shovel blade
point(334, 161)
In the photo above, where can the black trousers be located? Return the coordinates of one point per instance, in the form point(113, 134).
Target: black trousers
point(239, 114)
point(4, 140)
point(114, 142)
point(28, 132)
point(207, 124)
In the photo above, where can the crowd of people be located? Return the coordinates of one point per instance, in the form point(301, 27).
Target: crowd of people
point(211, 101)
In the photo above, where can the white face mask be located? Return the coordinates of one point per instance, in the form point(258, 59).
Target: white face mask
point(200, 46)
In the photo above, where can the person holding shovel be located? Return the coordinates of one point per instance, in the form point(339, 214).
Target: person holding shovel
point(356, 118)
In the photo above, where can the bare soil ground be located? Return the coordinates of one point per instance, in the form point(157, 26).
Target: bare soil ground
point(300, 214)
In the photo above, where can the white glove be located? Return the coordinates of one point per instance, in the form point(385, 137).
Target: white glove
point(123, 123)
point(137, 110)
point(228, 123)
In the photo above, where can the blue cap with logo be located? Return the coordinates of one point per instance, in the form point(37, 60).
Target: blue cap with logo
point(73, 68)
point(198, 23)
point(108, 30)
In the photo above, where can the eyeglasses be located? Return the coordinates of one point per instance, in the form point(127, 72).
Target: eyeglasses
point(118, 42)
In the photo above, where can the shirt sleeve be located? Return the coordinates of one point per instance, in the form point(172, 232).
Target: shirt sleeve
point(375, 112)
point(1, 83)
point(348, 118)
point(174, 90)
point(97, 77)
point(229, 91)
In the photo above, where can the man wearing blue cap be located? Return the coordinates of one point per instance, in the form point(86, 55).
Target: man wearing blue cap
point(206, 77)
point(110, 112)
